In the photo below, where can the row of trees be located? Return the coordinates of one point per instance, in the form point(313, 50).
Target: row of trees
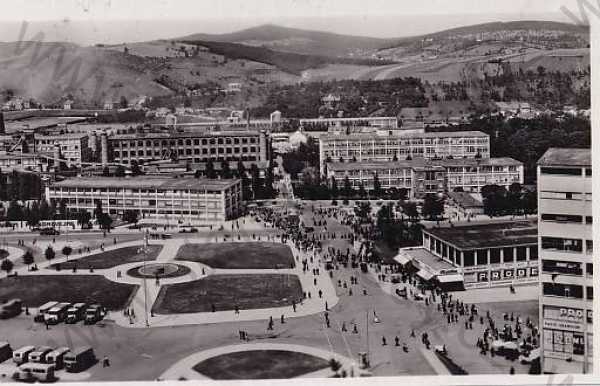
point(498, 201)
point(19, 186)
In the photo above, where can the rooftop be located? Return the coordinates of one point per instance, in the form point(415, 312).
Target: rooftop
point(424, 256)
point(566, 157)
point(487, 235)
point(401, 134)
point(186, 134)
point(421, 163)
point(466, 200)
point(142, 182)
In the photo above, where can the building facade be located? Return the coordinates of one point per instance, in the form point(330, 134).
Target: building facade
point(420, 176)
point(73, 146)
point(196, 147)
point(566, 253)
point(185, 199)
point(392, 145)
point(478, 256)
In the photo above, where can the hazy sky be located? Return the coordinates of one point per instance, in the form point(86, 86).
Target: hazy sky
point(114, 21)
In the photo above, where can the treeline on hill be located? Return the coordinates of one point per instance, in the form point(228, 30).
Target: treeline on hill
point(552, 89)
point(527, 140)
point(286, 61)
point(359, 98)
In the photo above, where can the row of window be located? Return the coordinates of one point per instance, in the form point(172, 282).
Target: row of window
point(544, 194)
point(568, 291)
point(566, 245)
point(562, 267)
point(158, 153)
point(567, 218)
point(187, 142)
point(565, 171)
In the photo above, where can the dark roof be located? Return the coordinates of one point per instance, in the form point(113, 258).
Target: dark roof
point(488, 235)
point(422, 163)
point(185, 134)
point(142, 182)
point(466, 200)
point(566, 157)
point(427, 258)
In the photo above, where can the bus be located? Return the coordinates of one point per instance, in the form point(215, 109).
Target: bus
point(57, 313)
point(75, 313)
point(22, 355)
point(39, 354)
point(10, 308)
point(79, 359)
point(42, 372)
point(57, 357)
point(43, 310)
point(5, 351)
point(93, 314)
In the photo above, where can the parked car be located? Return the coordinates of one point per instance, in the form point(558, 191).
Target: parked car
point(39, 354)
point(5, 351)
point(49, 232)
point(22, 355)
point(79, 359)
point(31, 372)
point(75, 313)
point(57, 357)
point(43, 310)
point(11, 308)
point(93, 314)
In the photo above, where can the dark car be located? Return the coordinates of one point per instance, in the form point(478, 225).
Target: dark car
point(49, 232)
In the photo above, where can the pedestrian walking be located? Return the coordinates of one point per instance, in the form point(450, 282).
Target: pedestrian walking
point(397, 341)
point(344, 327)
point(383, 341)
point(237, 309)
point(282, 319)
point(320, 294)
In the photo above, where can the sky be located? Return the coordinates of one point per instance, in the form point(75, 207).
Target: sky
point(116, 21)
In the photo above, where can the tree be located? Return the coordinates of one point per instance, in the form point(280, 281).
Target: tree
point(98, 211)
point(225, 170)
point(130, 216)
point(409, 208)
point(120, 172)
point(335, 366)
point(209, 171)
point(49, 253)
point(433, 207)
point(63, 209)
point(334, 189)
point(6, 265)
point(105, 221)
point(361, 190)
point(376, 185)
point(106, 172)
point(83, 217)
point(14, 212)
point(123, 102)
point(67, 250)
point(28, 258)
point(348, 191)
point(362, 210)
point(135, 168)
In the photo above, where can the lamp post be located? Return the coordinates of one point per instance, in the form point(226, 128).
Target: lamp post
point(144, 250)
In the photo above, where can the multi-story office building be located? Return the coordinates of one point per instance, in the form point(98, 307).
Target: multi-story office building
point(395, 145)
point(566, 245)
point(73, 146)
point(476, 255)
point(185, 199)
point(23, 161)
point(420, 176)
point(195, 147)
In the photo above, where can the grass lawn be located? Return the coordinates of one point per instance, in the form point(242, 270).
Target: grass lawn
point(36, 290)
point(3, 254)
point(109, 259)
point(258, 255)
point(225, 291)
point(260, 364)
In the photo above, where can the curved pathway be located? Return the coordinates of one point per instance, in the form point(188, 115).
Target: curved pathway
point(184, 368)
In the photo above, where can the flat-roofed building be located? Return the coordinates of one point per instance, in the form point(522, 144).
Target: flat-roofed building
point(194, 146)
point(186, 199)
point(476, 255)
point(564, 179)
point(73, 146)
point(23, 161)
point(390, 145)
point(421, 176)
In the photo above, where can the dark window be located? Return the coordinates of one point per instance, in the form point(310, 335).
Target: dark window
point(521, 253)
point(533, 253)
point(589, 219)
point(469, 257)
point(508, 255)
point(565, 218)
point(589, 269)
point(590, 293)
point(588, 172)
point(563, 290)
point(482, 257)
point(495, 256)
point(562, 267)
point(561, 171)
point(560, 244)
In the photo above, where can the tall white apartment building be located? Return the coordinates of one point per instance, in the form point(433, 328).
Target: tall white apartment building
point(565, 248)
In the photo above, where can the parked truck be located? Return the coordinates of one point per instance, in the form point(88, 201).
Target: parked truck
point(79, 359)
point(75, 313)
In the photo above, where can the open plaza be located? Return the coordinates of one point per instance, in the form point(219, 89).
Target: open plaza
point(250, 299)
